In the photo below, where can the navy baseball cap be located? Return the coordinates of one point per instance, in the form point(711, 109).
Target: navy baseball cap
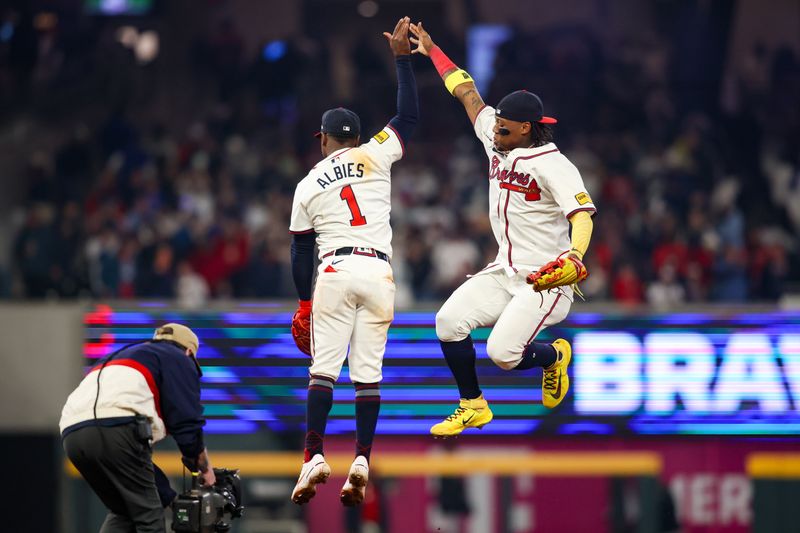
point(523, 106)
point(340, 122)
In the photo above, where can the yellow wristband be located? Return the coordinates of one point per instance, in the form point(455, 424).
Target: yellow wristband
point(456, 78)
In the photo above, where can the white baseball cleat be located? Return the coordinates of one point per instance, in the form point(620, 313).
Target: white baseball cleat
point(356, 484)
point(314, 472)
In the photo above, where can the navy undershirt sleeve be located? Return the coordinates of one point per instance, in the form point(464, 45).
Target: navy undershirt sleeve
point(303, 263)
point(407, 102)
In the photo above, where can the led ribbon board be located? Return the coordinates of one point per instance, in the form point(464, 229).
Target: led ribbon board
point(688, 373)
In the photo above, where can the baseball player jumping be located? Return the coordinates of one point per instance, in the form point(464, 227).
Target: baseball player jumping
point(535, 194)
point(344, 204)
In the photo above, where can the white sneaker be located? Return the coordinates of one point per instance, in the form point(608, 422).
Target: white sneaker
point(356, 484)
point(314, 471)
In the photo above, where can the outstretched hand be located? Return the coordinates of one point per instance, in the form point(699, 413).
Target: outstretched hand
point(423, 39)
point(398, 39)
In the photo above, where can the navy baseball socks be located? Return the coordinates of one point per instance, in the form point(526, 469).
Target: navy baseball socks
point(315, 470)
point(473, 410)
point(460, 357)
point(554, 360)
point(318, 405)
point(537, 354)
point(368, 404)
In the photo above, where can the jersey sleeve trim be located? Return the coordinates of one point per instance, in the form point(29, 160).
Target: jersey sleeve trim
point(399, 138)
point(301, 232)
point(591, 210)
point(478, 113)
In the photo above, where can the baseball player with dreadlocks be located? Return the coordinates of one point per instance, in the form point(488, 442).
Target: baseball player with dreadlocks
point(343, 203)
point(535, 195)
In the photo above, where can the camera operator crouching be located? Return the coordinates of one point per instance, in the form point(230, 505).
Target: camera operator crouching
point(128, 401)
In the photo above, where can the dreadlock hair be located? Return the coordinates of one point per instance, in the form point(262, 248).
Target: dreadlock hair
point(541, 134)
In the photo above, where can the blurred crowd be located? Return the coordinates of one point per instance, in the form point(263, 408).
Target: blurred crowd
point(697, 182)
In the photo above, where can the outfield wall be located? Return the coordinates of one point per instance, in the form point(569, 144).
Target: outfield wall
point(701, 389)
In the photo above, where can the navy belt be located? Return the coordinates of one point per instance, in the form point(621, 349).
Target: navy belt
point(357, 250)
point(103, 422)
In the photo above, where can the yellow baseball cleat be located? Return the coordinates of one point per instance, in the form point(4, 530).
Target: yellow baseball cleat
point(555, 381)
point(469, 414)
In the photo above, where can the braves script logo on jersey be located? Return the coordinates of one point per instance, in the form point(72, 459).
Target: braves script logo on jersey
point(515, 181)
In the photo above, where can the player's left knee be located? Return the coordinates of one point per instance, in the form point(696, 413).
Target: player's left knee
point(502, 354)
point(449, 327)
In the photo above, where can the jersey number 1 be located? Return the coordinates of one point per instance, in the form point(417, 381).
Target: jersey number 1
point(348, 196)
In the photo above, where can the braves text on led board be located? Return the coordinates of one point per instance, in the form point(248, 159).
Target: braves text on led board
point(680, 379)
point(687, 373)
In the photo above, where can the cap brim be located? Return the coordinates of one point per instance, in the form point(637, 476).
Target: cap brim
point(318, 134)
point(547, 120)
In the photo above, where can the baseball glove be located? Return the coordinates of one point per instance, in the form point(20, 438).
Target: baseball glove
point(301, 327)
point(565, 270)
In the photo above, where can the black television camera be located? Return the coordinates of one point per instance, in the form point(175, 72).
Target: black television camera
point(202, 509)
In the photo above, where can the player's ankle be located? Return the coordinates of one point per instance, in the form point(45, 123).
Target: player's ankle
point(477, 404)
point(559, 358)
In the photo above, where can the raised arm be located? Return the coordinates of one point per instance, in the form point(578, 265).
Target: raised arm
point(407, 102)
point(458, 81)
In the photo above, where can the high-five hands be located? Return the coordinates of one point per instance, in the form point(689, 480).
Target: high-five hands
point(422, 40)
point(398, 39)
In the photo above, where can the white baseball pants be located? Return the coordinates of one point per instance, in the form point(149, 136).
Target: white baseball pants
point(353, 305)
point(517, 312)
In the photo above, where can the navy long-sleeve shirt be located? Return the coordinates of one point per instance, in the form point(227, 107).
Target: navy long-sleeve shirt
point(407, 101)
point(303, 263)
point(155, 379)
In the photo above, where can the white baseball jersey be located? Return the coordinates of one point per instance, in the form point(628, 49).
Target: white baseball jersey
point(532, 193)
point(346, 200)
point(346, 197)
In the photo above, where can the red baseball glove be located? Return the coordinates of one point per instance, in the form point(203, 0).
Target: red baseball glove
point(565, 270)
point(301, 327)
